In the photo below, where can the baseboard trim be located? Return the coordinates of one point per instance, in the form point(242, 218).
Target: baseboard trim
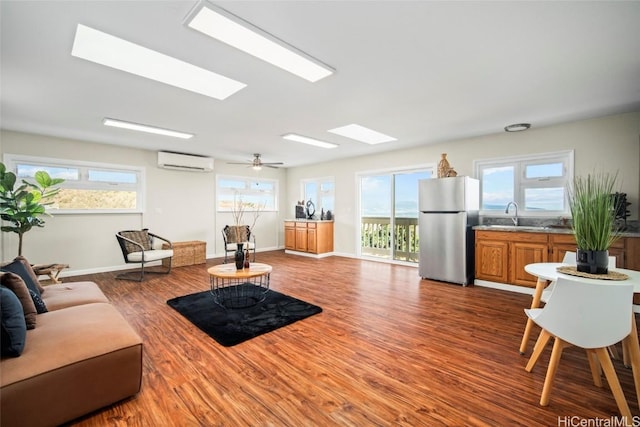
point(520, 289)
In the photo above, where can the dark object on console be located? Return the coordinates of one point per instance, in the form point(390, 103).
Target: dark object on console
point(300, 212)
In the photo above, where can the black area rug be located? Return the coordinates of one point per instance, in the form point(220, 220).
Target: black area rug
point(233, 326)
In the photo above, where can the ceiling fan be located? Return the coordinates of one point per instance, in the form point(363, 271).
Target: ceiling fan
point(257, 164)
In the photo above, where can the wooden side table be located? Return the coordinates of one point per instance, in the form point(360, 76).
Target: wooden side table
point(233, 288)
point(51, 270)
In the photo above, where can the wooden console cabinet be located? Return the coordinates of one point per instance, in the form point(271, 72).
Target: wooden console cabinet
point(314, 237)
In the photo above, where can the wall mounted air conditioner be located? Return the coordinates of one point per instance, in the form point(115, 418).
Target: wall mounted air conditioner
point(185, 162)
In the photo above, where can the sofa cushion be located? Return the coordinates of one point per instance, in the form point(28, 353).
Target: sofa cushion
point(141, 237)
point(14, 327)
point(70, 294)
point(18, 267)
point(152, 255)
point(19, 288)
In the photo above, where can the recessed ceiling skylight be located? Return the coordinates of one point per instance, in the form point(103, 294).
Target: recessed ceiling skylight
point(145, 128)
point(362, 134)
point(307, 140)
point(114, 52)
point(232, 30)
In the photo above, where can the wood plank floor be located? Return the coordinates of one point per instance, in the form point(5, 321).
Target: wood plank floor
point(388, 349)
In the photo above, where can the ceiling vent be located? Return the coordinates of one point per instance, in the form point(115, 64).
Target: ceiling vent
point(185, 162)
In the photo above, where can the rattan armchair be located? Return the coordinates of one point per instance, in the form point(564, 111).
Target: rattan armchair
point(142, 247)
point(232, 235)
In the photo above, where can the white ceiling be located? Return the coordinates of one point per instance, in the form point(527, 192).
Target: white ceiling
point(423, 72)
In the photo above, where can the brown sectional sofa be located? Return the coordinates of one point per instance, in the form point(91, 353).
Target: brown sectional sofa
point(82, 356)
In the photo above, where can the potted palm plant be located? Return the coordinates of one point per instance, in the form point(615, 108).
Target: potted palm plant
point(593, 220)
point(22, 206)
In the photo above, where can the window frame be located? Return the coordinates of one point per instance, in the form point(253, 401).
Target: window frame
point(318, 183)
point(12, 160)
point(521, 183)
point(246, 192)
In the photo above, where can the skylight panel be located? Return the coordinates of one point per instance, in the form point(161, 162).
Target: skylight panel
point(362, 134)
point(114, 52)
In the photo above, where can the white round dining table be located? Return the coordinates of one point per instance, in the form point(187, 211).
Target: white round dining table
point(548, 271)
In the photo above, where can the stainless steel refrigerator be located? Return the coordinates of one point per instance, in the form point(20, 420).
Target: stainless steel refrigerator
point(448, 211)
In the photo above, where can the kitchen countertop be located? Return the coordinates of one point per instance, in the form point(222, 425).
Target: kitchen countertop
point(549, 229)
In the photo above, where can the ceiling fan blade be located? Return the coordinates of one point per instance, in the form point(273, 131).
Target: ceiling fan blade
point(239, 163)
point(272, 163)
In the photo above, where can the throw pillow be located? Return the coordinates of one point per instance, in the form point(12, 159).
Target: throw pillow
point(32, 273)
point(41, 307)
point(14, 328)
point(141, 237)
point(19, 268)
point(17, 285)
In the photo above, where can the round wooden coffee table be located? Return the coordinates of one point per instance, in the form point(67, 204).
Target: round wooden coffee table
point(233, 288)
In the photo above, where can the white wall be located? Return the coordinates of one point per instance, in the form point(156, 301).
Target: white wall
point(606, 143)
point(179, 206)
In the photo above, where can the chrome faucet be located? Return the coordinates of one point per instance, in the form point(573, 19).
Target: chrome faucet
point(515, 216)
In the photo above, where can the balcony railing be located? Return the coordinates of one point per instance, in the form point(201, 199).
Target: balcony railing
point(376, 233)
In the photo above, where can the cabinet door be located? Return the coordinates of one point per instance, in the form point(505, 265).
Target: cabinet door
point(290, 238)
point(492, 260)
point(312, 240)
point(521, 254)
point(619, 253)
point(301, 239)
point(632, 246)
point(324, 239)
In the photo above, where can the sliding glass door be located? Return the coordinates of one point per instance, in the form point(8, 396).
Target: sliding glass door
point(389, 214)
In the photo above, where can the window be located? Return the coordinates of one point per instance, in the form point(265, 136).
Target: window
point(88, 187)
point(321, 191)
point(536, 183)
point(252, 194)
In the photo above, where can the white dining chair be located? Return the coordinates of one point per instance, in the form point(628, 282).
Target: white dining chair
point(589, 315)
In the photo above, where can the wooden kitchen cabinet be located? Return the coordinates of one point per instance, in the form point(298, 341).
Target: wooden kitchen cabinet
point(526, 248)
point(559, 244)
point(314, 237)
point(502, 255)
point(492, 258)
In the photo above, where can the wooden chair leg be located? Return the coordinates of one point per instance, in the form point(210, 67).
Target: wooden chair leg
point(596, 371)
point(535, 303)
point(556, 353)
point(625, 355)
point(541, 343)
point(614, 384)
point(613, 352)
